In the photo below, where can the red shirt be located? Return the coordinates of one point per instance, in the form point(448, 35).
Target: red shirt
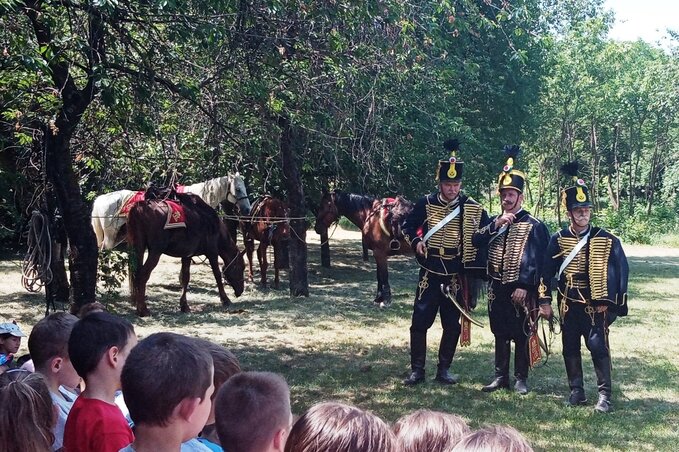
point(96, 426)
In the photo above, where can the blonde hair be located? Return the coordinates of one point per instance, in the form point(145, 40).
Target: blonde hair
point(429, 431)
point(26, 413)
point(494, 438)
point(337, 427)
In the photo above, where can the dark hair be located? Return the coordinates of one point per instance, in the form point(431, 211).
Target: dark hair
point(27, 416)
point(89, 308)
point(429, 431)
point(250, 407)
point(339, 427)
point(161, 371)
point(494, 437)
point(49, 338)
point(226, 364)
point(92, 336)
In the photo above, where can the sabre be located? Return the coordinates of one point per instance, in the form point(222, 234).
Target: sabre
point(445, 290)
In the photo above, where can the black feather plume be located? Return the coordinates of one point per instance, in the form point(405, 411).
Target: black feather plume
point(571, 168)
point(451, 145)
point(512, 151)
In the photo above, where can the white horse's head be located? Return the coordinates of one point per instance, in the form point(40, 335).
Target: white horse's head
point(238, 194)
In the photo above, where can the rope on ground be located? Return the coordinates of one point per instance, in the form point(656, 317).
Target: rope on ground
point(36, 271)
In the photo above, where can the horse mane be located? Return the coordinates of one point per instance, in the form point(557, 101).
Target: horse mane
point(212, 191)
point(208, 215)
point(352, 202)
point(402, 208)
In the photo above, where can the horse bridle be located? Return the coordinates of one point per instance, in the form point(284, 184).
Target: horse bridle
point(332, 211)
point(226, 267)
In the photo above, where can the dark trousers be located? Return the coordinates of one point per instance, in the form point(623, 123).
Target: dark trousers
point(508, 322)
point(577, 323)
point(581, 320)
point(429, 300)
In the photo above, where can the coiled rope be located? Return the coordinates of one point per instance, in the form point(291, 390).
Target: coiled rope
point(36, 271)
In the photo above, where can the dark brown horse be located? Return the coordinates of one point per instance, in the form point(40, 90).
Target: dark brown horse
point(378, 220)
point(204, 234)
point(268, 223)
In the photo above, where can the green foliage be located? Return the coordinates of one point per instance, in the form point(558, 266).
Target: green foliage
point(112, 272)
point(639, 227)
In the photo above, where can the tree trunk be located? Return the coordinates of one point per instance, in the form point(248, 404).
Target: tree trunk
point(595, 167)
point(614, 195)
point(299, 284)
point(82, 254)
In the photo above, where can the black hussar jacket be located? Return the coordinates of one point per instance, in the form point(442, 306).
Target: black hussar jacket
point(597, 274)
point(449, 249)
point(515, 254)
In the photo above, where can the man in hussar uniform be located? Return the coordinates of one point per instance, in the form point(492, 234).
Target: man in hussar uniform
point(591, 270)
point(516, 243)
point(439, 230)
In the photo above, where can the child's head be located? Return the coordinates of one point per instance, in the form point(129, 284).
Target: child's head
point(341, 428)
point(494, 437)
point(10, 337)
point(167, 376)
point(48, 345)
point(226, 364)
point(252, 412)
point(88, 308)
point(429, 431)
point(26, 412)
point(96, 335)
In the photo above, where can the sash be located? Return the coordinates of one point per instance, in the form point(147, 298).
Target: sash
point(574, 252)
point(447, 219)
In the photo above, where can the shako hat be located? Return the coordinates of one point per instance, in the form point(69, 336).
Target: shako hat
point(450, 169)
point(578, 194)
point(510, 177)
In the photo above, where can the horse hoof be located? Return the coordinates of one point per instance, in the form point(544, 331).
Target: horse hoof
point(226, 303)
point(143, 312)
point(186, 309)
point(385, 304)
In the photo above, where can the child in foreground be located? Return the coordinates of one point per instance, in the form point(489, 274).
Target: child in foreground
point(167, 384)
point(99, 346)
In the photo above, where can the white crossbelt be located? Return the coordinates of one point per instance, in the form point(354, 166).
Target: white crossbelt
point(447, 219)
point(574, 252)
point(498, 234)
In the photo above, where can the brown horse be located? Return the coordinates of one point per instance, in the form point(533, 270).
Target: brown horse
point(378, 220)
point(204, 234)
point(268, 223)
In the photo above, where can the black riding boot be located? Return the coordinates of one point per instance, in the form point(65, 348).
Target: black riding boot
point(446, 352)
point(602, 368)
point(418, 354)
point(521, 367)
point(501, 381)
point(575, 380)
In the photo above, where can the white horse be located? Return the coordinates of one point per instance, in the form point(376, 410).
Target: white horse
point(107, 220)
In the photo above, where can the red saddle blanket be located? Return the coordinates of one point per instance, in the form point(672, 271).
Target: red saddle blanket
point(130, 201)
point(176, 218)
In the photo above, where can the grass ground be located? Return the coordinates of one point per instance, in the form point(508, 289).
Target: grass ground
point(336, 345)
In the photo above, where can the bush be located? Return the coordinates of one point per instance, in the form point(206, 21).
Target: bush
point(639, 227)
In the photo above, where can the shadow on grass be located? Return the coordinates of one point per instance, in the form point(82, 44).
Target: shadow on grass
point(368, 371)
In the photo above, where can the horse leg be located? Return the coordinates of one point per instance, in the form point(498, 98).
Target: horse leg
point(277, 260)
point(383, 297)
point(263, 264)
point(365, 249)
point(143, 275)
point(214, 264)
point(184, 277)
point(249, 249)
